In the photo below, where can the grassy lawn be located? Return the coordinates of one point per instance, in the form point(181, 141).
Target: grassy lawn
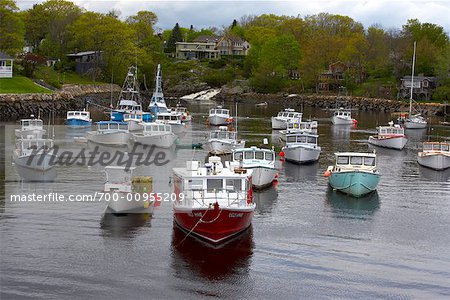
point(20, 85)
point(57, 79)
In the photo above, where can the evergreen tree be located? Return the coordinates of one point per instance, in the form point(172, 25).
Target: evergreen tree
point(235, 23)
point(175, 36)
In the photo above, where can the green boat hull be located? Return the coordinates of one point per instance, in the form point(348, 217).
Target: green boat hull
point(354, 183)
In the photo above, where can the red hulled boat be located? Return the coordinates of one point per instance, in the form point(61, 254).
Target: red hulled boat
point(214, 202)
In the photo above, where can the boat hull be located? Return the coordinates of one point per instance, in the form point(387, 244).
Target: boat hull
point(391, 142)
point(217, 225)
point(409, 124)
point(108, 138)
point(341, 121)
point(224, 147)
point(434, 161)
point(78, 123)
point(300, 154)
point(218, 120)
point(162, 140)
point(262, 177)
point(354, 183)
point(278, 124)
point(39, 161)
point(122, 205)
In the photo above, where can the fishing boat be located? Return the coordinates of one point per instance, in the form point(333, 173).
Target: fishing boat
point(392, 136)
point(156, 134)
point(110, 133)
point(435, 155)
point(186, 116)
point(78, 119)
point(261, 161)
point(298, 126)
point(224, 141)
point(127, 192)
point(301, 147)
point(34, 153)
point(129, 98)
point(135, 118)
point(219, 116)
point(284, 117)
point(157, 103)
point(175, 120)
point(354, 173)
point(342, 116)
point(413, 121)
point(33, 127)
point(214, 202)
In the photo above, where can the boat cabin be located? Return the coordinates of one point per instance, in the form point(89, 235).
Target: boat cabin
point(219, 111)
point(301, 138)
point(254, 154)
point(111, 126)
point(436, 147)
point(354, 160)
point(342, 113)
point(31, 124)
point(222, 134)
point(129, 105)
point(298, 126)
point(289, 114)
point(138, 116)
point(156, 128)
point(78, 115)
point(30, 145)
point(172, 117)
point(391, 130)
point(121, 179)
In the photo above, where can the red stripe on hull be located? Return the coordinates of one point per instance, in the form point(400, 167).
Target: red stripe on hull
point(218, 224)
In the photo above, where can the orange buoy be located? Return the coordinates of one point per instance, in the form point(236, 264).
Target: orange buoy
point(327, 173)
point(282, 154)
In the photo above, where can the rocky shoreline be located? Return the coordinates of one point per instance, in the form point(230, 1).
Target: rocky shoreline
point(74, 97)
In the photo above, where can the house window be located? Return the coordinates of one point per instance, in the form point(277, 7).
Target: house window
point(425, 83)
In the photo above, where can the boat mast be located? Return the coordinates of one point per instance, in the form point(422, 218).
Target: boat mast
point(412, 80)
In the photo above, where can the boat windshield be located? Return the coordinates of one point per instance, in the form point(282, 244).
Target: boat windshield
point(369, 161)
point(445, 147)
point(342, 160)
point(356, 160)
point(238, 155)
point(269, 156)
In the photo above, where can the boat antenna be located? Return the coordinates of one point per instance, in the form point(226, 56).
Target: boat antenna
point(236, 111)
point(112, 80)
point(412, 79)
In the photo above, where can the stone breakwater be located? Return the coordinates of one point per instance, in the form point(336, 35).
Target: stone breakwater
point(70, 97)
point(328, 101)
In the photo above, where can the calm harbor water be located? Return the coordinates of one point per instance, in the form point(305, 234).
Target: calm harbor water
point(306, 241)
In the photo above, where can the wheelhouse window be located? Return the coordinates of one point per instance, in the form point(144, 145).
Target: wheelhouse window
point(259, 155)
point(356, 160)
point(195, 184)
point(212, 184)
point(444, 147)
point(233, 184)
point(291, 139)
point(369, 161)
point(249, 155)
point(342, 160)
point(427, 146)
point(238, 155)
point(269, 156)
point(311, 140)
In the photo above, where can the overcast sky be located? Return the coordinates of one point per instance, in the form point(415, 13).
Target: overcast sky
point(388, 13)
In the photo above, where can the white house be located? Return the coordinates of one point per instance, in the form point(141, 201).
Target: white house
point(6, 65)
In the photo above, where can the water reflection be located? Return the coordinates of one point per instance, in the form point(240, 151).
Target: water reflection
point(72, 133)
point(194, 257)
point(265, 200)
point(341, 132)
point(305, 172)
point(434, 175)
point(27, 174)
point(124, 225)
point(345, 204)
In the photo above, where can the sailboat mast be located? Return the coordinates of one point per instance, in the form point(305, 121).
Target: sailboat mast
point(236, 118)
point(412, 79)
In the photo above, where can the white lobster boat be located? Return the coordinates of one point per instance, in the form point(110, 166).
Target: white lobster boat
point(135, 118)
point(35, 153)
point(128, 193)
point(214, 202)
point(301, 147)
point(224, 141)
point(342, 116)
point(219, 116)
point(30, 128)
point(284, 117)
point(261, 161)
point(156, 134)
point(110, 133)
point(435, 155)
point(175, 120)
point(186, 116)
point(392, 136)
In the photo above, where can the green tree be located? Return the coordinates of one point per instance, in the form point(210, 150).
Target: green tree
point(11, 28)
point(142, 24)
